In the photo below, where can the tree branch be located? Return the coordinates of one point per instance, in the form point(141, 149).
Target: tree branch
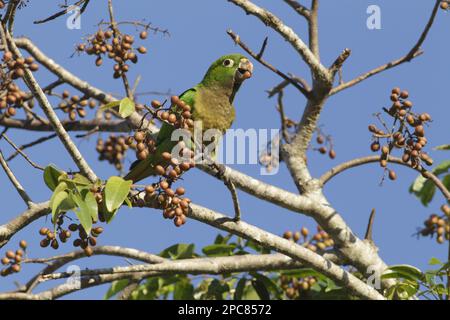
point(269, 19)
point(20, 189)
point(327, 176)
point(413, 53)
point(21, 221)
point(237, 39)
point(299, 8)
point(51, 115)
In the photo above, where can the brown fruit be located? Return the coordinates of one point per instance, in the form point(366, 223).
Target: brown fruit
point(23, 244)
point(375, 146)
point(88, 251)
point(287, 235)
point(54, 244)
point(332, 154)
point(372, 128)
point(139, 136)
point(15, 268)
point(156, 104)
point(5, 261)
point(396, 91)
point(142, 50)
point(180, 191)
point(407, 104)
point(170, 192)
point(320, 139)
point(394, 97)
point(304, 231)
point(10, 254)
point(164, 185)
point(404, 94)
point(149, 189)
point(142, 155)
point(143, 35)
point(44, 243)
point(73, 227)
point(97, 230)
point(392, 175)
point(92, 241)
point(160, 170)
point(323, 150)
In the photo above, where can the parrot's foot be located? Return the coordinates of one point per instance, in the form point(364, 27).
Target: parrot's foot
point(220, 168)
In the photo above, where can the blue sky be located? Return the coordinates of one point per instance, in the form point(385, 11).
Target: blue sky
point(176, 62)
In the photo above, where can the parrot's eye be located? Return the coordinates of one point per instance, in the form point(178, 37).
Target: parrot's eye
point(228, 63)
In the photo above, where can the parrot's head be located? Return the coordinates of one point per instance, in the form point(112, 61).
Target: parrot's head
point(229, 71)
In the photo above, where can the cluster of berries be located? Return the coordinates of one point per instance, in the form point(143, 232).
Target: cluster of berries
point(408, 133)
point(11, 68)
point(296, 287)
point(438, 225)
point(116, 46)
point(113, 150)
point(74, 105)
point(321, 240)
point(12, 260)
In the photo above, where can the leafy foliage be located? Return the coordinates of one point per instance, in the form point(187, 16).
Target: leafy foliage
point(237, 286)
point(425, 189)
point(78, 194)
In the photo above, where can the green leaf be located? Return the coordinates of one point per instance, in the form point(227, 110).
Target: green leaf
point(238, 292)
point(116, 191)
point(110, 105)
point(81, 180)
point(217, 250)
point(435, 261)
point(179, 251)
point(423, 188)
point(51, 175)
point(443, 147)
point(183, 290)
point(115, 288)
point(261, 289)
point(87, 208)
point(126, 107)
point(222, 239)
point(403, 271)
point(268, 283)
point(217, 289)
point(60, 201)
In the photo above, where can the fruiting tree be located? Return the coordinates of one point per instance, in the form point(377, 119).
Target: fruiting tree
point(246, 261)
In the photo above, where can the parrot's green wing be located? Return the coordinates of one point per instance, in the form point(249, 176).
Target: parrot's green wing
point(142, 169)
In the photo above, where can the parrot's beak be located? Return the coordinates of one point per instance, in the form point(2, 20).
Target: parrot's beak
point(244, 70)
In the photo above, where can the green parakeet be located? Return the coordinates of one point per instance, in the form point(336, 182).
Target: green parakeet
point(211, 102)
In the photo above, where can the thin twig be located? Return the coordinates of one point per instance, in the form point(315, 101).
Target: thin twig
point(254, 55)
point(371, 159)
point(30, 144)
point(33, 164)
point(413, 53)
point(369, 231)
point(51, 115)
point(23, 194)
point(84, 4)
point(284, 131)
